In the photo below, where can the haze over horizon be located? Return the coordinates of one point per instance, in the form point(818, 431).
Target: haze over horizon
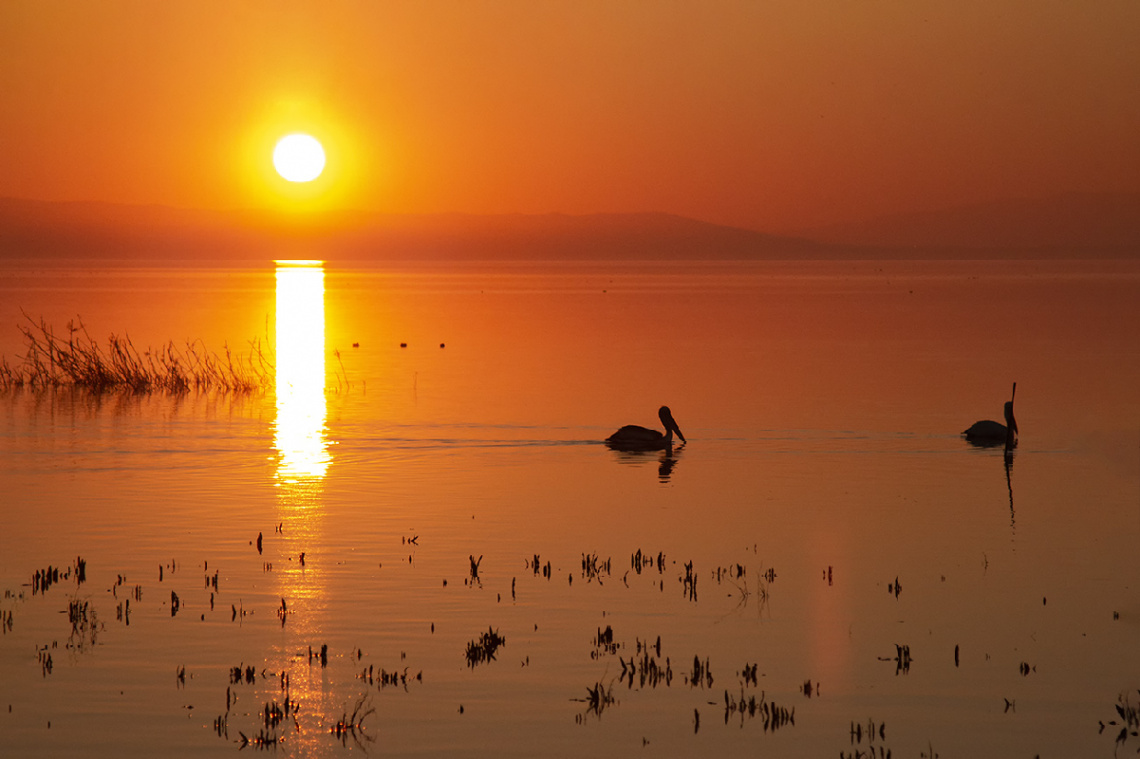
point(778, 117)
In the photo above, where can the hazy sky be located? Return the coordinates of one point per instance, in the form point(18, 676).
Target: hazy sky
point(771, 115)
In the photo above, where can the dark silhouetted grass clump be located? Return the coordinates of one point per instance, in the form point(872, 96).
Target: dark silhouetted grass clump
point(74, 359)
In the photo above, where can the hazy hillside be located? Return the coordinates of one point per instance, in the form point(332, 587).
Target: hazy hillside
point(1076, 223)
point(1068, 226)
point(39, 229)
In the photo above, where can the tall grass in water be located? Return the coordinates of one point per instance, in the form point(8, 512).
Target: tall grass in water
point(76, 360)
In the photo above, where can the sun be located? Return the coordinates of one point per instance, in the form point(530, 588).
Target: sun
point(299, 157)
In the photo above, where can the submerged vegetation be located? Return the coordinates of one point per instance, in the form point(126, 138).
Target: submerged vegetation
point(74, 359)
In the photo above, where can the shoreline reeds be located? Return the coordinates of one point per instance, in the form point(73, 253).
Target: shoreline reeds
point(76, 360)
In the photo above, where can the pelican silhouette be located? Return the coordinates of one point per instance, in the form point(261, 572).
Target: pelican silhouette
point(989, 432)
point(634, 438)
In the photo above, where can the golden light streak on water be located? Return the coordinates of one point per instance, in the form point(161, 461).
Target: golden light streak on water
point(301, 408)
point(302, 462)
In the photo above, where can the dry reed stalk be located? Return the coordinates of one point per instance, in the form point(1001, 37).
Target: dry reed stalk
point(78, 361)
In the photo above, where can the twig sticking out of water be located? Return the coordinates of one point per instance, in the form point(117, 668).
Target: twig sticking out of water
point(604, 643)
point(701, 674)
point(263, 741)
point(483, 648)
point(901, 659)
point(85, 625)
point(690, 582)
point(545, 571)
point(598, 697)
point(353, 724)
point(871, 732)
point(641, 560)
point(771, 715)
point(1129, 720)
point(77, 360)
point(593, 568)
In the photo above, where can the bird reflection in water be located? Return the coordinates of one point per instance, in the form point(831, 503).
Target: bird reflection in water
point(668, 461)
point(991, 434)
point(1009, 481)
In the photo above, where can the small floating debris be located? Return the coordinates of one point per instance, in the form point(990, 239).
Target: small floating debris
point(323, 655)
point(540, 569)
point(593, 568)
point(689, 581)
point(604, 643)
point(871, 733)
point(262, 740)
point(901, 659)
point(241, 674)
point(701, 674)
point(640, 560)
point(646, 670)
point(772, 715)
point(44, 657)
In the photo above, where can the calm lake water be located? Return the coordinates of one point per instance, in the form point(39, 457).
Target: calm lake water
point(825, 568)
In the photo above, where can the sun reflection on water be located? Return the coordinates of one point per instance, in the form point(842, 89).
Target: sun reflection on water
point(301, 410)
point(303, 460)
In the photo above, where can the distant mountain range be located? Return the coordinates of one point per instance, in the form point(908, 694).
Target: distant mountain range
point(1068, 226)
point(68, 230)
point(1077, 224)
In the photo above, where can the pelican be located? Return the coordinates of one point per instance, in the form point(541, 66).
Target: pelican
point(989, 432)
point(634, 438)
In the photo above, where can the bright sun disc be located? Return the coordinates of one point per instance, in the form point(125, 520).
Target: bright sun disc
point(299, 158)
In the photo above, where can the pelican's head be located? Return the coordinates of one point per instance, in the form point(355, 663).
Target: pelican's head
point(671, 428)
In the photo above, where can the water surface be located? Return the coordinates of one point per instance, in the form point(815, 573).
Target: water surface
point(826, 550)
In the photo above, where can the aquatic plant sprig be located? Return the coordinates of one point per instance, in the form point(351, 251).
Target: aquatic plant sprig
point(77, 360)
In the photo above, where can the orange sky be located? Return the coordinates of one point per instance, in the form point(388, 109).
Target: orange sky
point(767, 114)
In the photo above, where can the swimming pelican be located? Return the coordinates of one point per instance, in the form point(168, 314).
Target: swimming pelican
point(989, 432)
point(634, 438)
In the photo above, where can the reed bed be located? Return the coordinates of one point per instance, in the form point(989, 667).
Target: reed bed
point(74, 359)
